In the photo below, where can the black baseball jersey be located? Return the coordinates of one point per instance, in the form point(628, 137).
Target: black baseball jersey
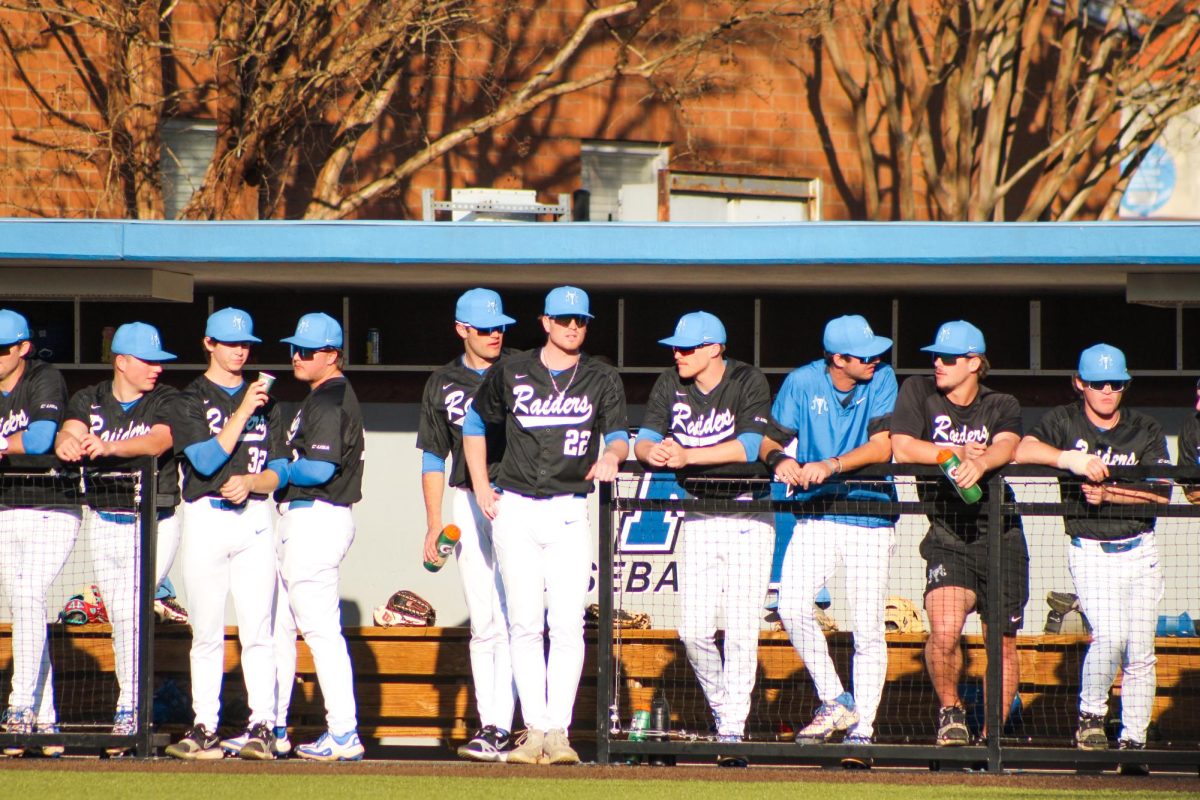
point(449, 394)
point(202, 412)
point(106, 417)
point(926, 414)
point(740, 403)
point(550, 432)
point(40, 395)
point(1135, 439)
point(1189, 442)
point(328, 427)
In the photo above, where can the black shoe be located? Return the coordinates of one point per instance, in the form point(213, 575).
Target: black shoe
point(734, 761)
point(260, 743)
point(858, 761)
point(952, 727)
point(1130, 768)
point(488, 744)
point(197, 744)
point(1090, 735)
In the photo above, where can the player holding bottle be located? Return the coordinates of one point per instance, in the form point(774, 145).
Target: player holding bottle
point(838, 410)
point(231, 435)
point(35, 540)
point(953, 410)
point(126, 417)
point(555, 403)
point(480, 323)
point(1114, 562)
point(712, 410)
point(324, 478)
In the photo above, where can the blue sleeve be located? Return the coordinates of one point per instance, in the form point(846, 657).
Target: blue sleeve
point(652, 436)
point(432, 462)
point(39, 436)
point(206, 457)
point(616, 436)
point(280, 467)
point(786, 406)
point(883, 400)
point(306, 472)
point(751, 442)
point(473, 424)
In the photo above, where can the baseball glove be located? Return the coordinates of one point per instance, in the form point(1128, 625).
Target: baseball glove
point(901, 615)
point(84, 608)
point(405, 608)
point(627, 620)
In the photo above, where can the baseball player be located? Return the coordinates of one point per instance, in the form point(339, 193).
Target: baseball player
point(231, 436)
point(712, 410)
point(1189, 448)
point(449, 392)
point(1114, 562)
point(838, 410)
point(126, 417)
point(323, 480)
point(37, 529)
point(555, 404)
point(953, 411)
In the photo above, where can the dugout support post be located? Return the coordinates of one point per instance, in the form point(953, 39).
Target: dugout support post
point(994, 677)
point(604, 645)
point(148, 530)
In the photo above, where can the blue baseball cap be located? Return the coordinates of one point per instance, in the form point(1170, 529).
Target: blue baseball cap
point(567, 300)
point(1102, 362)
point(696, 329)
point(139, 340)
point(13, 327)
point(851, 335)
point(230, 325)
point(959, 338)
point(316, 331)
point(481, 308)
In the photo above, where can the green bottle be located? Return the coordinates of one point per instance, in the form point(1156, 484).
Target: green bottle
point(949, 464)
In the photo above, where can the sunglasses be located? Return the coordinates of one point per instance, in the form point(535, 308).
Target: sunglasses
point(566, 319)
point(949, 361)
point(308, 353)
point(870, 360)
point(1115, 386)
point(489, 331)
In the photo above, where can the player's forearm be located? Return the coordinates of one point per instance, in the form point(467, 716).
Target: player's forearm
point(263, 482)
point(642, 448)
point(910, 450)
point(730, 452)
point(432, 492)
point(1128, 495)
point(618, 448)
point(232, 431)
point(769, 446)
point(155, 443)
point(1035, 451)
point(1000, 452)
point(876, 450)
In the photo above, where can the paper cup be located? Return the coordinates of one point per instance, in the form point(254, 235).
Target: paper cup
point(267, 379)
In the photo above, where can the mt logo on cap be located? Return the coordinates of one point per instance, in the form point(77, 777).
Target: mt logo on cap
point(851, 335)
point(1102, 362)
point(959, 338)
point(141, 341)
point(696, 329)
point(230, 325)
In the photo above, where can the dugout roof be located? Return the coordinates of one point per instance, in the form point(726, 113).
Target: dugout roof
point(1153, 261)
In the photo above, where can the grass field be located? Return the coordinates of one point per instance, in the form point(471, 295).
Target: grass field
point(31, 784)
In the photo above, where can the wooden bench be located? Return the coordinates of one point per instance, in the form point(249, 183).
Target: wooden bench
point(416, 682)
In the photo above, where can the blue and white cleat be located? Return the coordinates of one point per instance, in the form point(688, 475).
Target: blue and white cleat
point(332, 747)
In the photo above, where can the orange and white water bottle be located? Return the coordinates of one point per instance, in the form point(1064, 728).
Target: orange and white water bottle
point(445, 546)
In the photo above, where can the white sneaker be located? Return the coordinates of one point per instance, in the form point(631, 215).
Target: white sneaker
point(283, 745)
point(333, 747)
point(831, 718)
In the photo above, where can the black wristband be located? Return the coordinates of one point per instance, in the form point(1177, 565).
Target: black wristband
point(774, 458)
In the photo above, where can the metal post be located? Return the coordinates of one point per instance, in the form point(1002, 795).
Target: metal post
point(604, 626)
point(996, 621)
point(148, 512)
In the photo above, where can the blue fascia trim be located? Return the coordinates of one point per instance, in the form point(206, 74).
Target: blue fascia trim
point(692, 244)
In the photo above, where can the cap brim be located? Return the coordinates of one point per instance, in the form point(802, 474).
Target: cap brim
point(679, 341)
point(942, 350)
point(493, 322)
point(150, 355)
point(1106, 376)
point(876, 347)
point(568, 313)
point(310, 343)
point(233, 340)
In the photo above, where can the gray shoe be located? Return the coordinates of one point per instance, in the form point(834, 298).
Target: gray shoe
point(529, 749)
point(198, 744)
point(1090, 735)
point(557, 748)
point(260, 743)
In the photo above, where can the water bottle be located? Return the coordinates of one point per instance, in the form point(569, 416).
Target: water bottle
point(660, 723)
point(949, 463)
point(445, 546)
point(640, 724)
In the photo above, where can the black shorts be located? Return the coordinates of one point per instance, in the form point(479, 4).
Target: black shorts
point(950, 561)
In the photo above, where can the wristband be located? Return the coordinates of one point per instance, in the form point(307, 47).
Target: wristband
point(837, 464)
point(775, 458)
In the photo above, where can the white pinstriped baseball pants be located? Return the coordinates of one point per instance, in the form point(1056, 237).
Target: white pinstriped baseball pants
point(725, 567)
point(544, 548)
point(1119, 593)
point(491, 663)
point(227, 550)
point(34, 545)
point(816, 548)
